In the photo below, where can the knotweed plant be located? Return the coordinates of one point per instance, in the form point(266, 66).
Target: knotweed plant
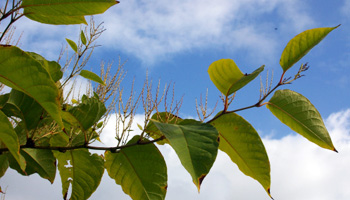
point(45, 125)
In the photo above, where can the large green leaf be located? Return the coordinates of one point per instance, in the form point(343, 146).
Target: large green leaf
point(52, 67)
point(22, 72)
point(88, 112)
point(4, 164)
point(9, 138)
point(82, 170)
point(301, 44)
point(24, 107)
point(91, 76)
point(164, 117)
point(22, 133)
point(240, 141)
point(78, 168)
point(140, 170)
point(39, 161)
point(196, 145)
point(228, 78)
point(297, 112)
point(64, 11)
point(3, 99)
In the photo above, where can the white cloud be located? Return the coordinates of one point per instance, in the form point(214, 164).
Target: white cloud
point(155, 30)
point(76, 88)
point(295, 16)
point(151, 30)
point(300, 170)
point(46, 40)
point(109, 132)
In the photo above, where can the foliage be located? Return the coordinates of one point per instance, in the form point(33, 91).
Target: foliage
point(40, 127)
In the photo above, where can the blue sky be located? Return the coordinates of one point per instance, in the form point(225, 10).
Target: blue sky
point(176, 41)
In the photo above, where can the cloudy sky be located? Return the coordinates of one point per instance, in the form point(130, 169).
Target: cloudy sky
point(176, 41)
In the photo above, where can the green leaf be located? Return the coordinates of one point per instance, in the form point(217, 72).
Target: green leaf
point(164, 117)
point(245, 80)
point(3, 99)
point(88, 112)
point(25, 108)
point(72, 45)
point(99, 125)
point(79, 135)
point(82, 170)
point(74, 101)
point(301, 44)
point(196, 145)
point(4, 164)
point(64, 11)
point(22, 72)
point(140, 170)
point(228, 78)
point(240, 141)
point(140, 127)
point(82, 38)
point(297, 112)
point(52, 67)
point(9, 138)
point(91, 76)
point(21, 132)
point(39, 161)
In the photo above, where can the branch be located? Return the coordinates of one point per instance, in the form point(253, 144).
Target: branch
point(258, 104)
point(63, 149)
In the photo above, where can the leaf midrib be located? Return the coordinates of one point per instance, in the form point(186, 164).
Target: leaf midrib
point(299, 122)
point(239, 155)
point(137, 175)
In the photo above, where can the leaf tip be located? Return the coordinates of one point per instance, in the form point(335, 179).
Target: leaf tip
point(200, 180)
point(336, 151)
point(85, 22)
point(269, 193)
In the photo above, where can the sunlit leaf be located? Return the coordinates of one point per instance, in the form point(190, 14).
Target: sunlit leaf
point(91, 76)
point(165, 117)
point(297, 112)
point(99, 125)
point(9, 138)
point(301, 44)
point(240, 141)
point(140, 127)
point(82, 38)
point(245, 80)
point(64, 11)
point(80, 169)
point(72, 45)
point(22, 72)
point(228, 78)
point(140, 170)
point(39, 161)
point(196, 145)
